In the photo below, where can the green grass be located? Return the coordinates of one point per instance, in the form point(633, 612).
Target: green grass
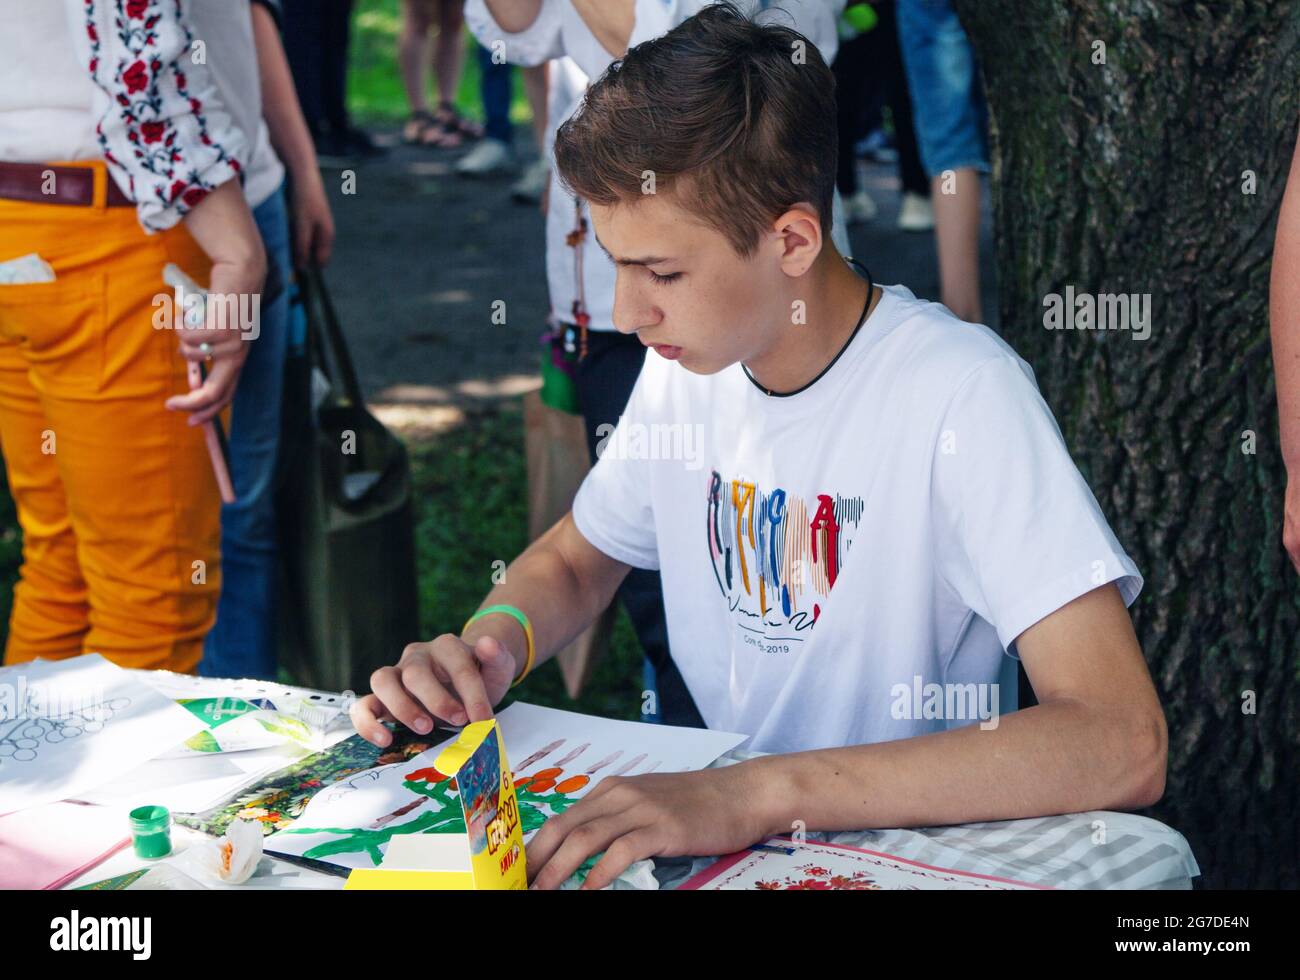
point(376, 95)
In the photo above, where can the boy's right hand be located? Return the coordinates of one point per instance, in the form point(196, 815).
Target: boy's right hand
point(445, 679)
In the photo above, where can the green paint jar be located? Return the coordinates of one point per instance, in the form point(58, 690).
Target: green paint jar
point(151, 831)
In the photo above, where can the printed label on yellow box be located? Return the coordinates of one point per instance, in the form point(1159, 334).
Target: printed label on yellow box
point(491, 854)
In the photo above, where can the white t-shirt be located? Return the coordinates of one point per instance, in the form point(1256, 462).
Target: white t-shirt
point(559, 32)
point(828, 555)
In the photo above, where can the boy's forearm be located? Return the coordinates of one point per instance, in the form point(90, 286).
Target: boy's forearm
point(1063, 757)
point(559, 597)
point(285, 123)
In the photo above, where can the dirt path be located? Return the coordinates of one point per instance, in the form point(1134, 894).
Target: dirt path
point(422, 254)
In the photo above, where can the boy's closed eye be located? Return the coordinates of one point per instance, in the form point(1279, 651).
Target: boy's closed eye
point(645, 263)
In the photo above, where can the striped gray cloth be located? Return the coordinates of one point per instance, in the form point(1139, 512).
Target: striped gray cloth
point(1096, 849)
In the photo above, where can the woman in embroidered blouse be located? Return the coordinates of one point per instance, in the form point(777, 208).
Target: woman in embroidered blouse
point(118, 154)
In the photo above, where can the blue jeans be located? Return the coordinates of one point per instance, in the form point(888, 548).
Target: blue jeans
point(950, 115)
point(494, 89)
point(243, 642)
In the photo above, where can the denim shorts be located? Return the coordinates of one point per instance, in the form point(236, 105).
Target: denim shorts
point(947, 99)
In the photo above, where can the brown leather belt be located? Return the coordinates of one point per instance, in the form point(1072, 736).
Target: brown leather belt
point(71, 185)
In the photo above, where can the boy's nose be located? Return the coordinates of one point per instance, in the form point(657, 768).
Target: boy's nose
point(631, 312)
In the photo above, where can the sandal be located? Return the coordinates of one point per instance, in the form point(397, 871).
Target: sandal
point(419, 127)
point(455, 127)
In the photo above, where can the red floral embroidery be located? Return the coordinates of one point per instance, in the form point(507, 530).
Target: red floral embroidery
point(174, 160)
point(136, 78)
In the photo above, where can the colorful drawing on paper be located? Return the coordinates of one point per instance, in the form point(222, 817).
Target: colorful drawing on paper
point(279, 798)
point(563, 757)
point(784, 864)
point(540, 795)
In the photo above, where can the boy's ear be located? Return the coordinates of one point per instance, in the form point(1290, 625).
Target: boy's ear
point(799, 232)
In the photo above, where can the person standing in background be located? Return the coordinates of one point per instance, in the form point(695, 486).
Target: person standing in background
point(316, 34)
point(242, 643)
point(496, 153)
point(445, 127)
point(531, 186)
point(120, 151)
point(951, 124)
point(868, 62)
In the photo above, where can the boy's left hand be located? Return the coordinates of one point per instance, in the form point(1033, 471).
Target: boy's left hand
point(630, 818)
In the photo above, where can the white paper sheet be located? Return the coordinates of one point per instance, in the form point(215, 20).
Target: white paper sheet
point(352, 820)
point(69, 725)
point(192, 784)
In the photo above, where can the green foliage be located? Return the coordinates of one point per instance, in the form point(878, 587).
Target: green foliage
point(375, 90)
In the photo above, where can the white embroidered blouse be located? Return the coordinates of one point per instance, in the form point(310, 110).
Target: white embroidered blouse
point(119, 80)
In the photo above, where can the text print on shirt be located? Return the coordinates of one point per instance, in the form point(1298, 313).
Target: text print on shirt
point(774, 563)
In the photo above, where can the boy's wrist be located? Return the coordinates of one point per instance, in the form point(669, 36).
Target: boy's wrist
point(503, 628)
point(769, 796)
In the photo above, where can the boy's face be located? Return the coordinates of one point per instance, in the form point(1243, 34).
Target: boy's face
point(684, 291)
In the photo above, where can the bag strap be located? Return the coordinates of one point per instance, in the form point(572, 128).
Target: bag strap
point(323, 325)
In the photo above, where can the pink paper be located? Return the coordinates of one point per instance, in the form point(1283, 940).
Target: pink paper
point(47, 846)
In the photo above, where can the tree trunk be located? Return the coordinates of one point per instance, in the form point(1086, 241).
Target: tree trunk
point(1135, 176)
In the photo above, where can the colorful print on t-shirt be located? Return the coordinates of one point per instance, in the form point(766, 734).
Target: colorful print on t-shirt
point(776, 556)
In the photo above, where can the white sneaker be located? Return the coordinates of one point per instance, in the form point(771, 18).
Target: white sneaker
point(530, 186)
point(916, 213)
point(488, 158)
point(860, 208)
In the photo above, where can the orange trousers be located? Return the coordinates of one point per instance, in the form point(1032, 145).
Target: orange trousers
point(115, 494)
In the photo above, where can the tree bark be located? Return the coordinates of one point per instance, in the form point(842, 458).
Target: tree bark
point(1131, 177)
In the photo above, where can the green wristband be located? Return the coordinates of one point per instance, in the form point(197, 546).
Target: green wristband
point(523, 621)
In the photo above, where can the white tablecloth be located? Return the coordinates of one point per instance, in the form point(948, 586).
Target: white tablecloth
point(1096, 849)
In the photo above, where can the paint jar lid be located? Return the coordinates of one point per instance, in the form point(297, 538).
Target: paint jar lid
point(150, 819)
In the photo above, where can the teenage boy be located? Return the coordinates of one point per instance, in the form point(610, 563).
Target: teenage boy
point(604, 363)
point(882, 503)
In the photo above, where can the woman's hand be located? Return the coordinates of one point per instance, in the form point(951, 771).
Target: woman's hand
point(443, 680)
point(224, 228)
point(630, 818)
point(313, 222)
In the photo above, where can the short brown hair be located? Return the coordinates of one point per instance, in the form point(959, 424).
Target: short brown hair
point(735, 117)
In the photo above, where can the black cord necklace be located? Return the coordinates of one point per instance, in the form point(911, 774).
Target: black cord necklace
point(862, 318)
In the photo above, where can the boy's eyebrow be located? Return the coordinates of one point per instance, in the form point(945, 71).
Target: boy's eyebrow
point(647, 260)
